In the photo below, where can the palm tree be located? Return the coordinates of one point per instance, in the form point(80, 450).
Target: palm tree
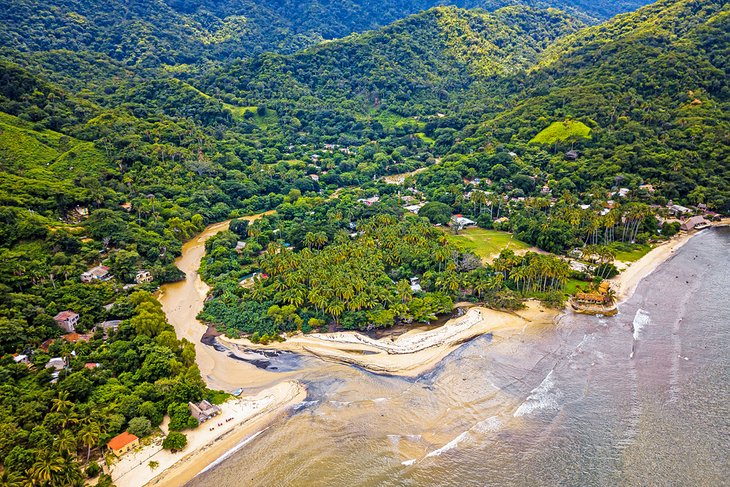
point(66, 442)
point(309, 240)
point(61, 403)
point(89, 437)
point(13, 479)
point(403, 290)
point(47, 466)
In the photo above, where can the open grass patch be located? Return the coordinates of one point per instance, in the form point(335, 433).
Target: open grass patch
point(630, 252)
point(486, 243)
point(262, 121)
point(562, 131)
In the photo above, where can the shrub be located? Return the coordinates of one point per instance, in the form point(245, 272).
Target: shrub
point(139, 426)
point(175, 441)
point(93, 470)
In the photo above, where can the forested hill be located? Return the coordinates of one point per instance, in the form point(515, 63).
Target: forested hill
point(412, 66)
point(169, 32)
point(653, 86)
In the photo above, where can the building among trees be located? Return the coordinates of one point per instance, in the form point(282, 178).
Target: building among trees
point(122, 443)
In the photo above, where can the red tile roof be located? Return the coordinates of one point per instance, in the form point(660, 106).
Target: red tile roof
point(64, 315)
point(121, 440)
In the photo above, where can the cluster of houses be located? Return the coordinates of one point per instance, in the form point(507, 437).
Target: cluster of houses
point(126, 441)
point(101, 273)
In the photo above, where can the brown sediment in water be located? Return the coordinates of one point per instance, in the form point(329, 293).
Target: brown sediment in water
point(240, 419)
point(415, 351)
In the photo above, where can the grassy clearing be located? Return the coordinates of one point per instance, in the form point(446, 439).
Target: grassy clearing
point(573, 284)
point(44, 153)
point(630, 253)
point(268, 120)
point(487, 243)
point(560, 131)
point(424, 138)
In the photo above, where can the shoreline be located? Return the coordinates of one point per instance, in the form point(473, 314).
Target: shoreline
point(182, 301)
point(416, 351)
point(250, 416)
point(628, 280)
point(407, 355)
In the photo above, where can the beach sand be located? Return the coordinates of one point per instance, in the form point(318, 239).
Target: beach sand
point(413, 352)
point(182, 301)
point(626, 282)
point(250, 415)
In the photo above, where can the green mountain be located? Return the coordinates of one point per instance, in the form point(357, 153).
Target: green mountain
point(653, 88)
point(411, 67)
point(170, 32)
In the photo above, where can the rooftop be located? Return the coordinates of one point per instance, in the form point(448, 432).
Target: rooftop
point(121, 440)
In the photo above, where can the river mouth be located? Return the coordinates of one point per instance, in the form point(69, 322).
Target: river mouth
point(555, 405)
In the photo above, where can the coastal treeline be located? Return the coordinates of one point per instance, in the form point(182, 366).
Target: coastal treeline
point(365, 273)
point(58, 418)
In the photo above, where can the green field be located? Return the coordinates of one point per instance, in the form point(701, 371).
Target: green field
point(486, 243)
point(44, 153)
point(560, 131)
point(630, 253)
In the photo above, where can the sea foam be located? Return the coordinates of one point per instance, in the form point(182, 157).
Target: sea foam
point(543, 397)
point(641, 321)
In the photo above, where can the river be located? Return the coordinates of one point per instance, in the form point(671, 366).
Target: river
point(641, 398)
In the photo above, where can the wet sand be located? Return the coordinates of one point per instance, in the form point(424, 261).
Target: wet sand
point(414, 352)
point(182, 301)
point(626, 282)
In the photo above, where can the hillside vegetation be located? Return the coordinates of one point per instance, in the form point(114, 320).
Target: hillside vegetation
point(126, 127)
point(169, 32)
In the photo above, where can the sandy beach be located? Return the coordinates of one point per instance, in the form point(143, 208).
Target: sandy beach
point(248, 416)
point(626, 282)
point(416, 351)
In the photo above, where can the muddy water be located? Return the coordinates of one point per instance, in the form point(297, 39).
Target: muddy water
point(560, 405)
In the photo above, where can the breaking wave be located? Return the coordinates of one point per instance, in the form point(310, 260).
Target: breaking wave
point(641, 321)
point(544, 397)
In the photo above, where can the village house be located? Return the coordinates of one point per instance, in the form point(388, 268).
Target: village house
point(315, 177)
point(126, 206)
point(414, 208)
point(623, 192)
point(695, 222)
point(416, 285)
point(75, 337)
point(647, 187)
point(67, 320)
point(56, 363)
point(203, 410)
point(143, 276)
point(545, 189)
point(98, 273)
point(21, 359)
point(81, 212)
point(122, 443)
point(369, 201)
point(600, 296)
point(572, 155)
point(461, 222)
point(107, 326)
point(240, 245)
point(678, 209)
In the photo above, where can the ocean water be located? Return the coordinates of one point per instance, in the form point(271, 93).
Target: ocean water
point(638, 399)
